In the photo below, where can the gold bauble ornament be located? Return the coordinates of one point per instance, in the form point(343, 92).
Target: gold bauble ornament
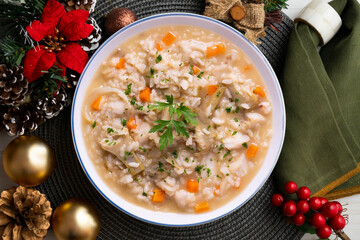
point(75, 219)
point(28, 160)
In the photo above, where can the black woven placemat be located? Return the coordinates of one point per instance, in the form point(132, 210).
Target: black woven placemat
point(257, 219)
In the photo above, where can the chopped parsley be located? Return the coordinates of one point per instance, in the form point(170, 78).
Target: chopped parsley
point(142, 149)
point(160, 168)
point(208, 171)
point(236, 120)
point(236, 100)
point(139, 107)
point(228, 109)
point(175, 155)
point(198, 168)
point(180, 64)
point(221, 147)
point(218, 94)
point(227, 154)
point(218, 176)
point(200, 74)
point(133, 101)
point(237, 109)
point(166, 126)
point(123, 122)
point(186, 159)
point(158, 59)
point(107, 140)
point(94, 124)
point(127, 154)
point(191, 69)
point(136, 179)
point(227, 174)
point(152, 71)
point(128, 89)
point(144, 194)
point(245, 145)
point(110, 130)
point(235, 132)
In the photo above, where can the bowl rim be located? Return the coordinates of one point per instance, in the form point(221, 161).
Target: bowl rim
point(276, 82)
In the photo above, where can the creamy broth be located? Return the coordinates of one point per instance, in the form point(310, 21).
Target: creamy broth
point(214, 155)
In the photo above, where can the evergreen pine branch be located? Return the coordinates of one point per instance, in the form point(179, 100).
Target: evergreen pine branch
point(272, 5)
point(11, 51)
point(48, 84)
point(15, 15)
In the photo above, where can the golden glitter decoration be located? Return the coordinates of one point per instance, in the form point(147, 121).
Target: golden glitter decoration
point(28, 160)
point(75, 219)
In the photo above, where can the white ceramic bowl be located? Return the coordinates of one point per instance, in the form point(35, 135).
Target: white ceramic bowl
point(271, 82)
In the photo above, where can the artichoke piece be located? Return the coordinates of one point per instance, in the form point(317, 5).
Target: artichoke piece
point(130, 159)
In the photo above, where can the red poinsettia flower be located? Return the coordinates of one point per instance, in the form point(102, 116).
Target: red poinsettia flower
point(57, 32)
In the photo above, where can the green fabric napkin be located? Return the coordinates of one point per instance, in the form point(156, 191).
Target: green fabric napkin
point(322, 98)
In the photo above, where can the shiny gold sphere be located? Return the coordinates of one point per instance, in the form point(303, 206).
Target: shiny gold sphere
point(75, 219)
point(28, 160)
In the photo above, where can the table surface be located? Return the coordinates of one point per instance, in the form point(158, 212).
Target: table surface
point(351, 203)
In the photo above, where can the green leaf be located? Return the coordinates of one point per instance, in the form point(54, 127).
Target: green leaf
point(161, 124)
point(187, 114)
point(180, 128)
point(307, 228)
point(166, 139)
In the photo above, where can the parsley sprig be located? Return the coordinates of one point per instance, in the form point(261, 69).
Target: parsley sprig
point(179, 111)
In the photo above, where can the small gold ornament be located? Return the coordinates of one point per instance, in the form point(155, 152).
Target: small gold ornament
point(28, 160)
point(75, 219)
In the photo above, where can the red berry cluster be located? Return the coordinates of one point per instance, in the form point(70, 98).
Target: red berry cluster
point(324, 215)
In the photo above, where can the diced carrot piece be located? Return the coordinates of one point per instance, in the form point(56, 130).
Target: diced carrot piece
point(159, 47)
point(216, 191)
point(145, 95)
point(196, 69)
point(131, 124)
point(169, 38)
point(247, 67)
point(192, 186)
point(121, 63)
point(158, 196)
point(98, 103)
point(259, 91)
point(202, 207)
point(251, 152)
point(215, 50)
point(212, 89)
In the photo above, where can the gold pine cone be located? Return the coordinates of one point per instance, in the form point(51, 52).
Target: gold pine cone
point(24, 214)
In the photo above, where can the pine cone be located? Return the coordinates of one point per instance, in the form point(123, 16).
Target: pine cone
point(72, 79)
point(22, 119)
point(88, 5)
point(13, 85)
point(24, 214)
point(52, 106)
point(92, 42)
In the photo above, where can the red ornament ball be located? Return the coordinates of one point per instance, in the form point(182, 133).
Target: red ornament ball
point(317, 220)
point(329, 209)
point(323, 200)
point(339, 206)
point(289, 208)
point(298, 219)
point(290, 187)
point(315, 203)
point(303, 193)
point(302, 206)
point(338, 222)
point(323, 232)
point(277, 200)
